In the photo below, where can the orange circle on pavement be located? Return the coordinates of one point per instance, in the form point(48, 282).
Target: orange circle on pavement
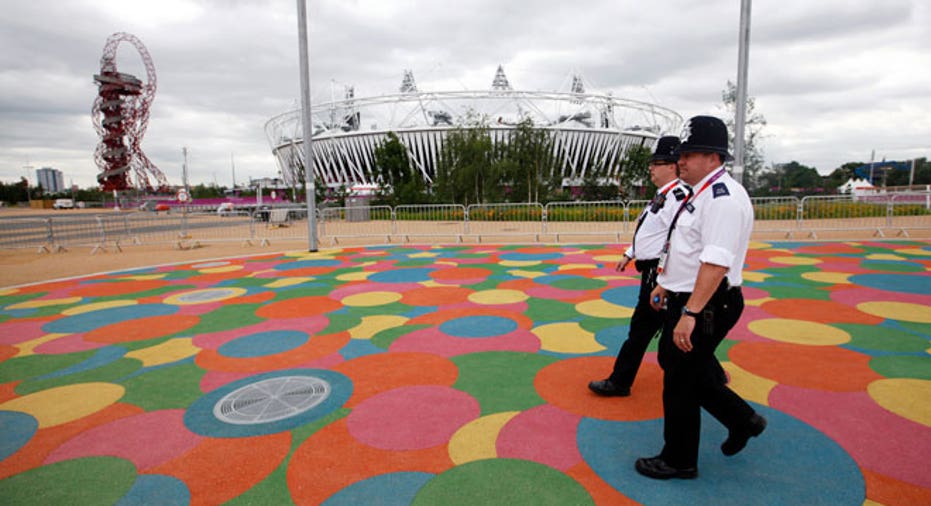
point(460, 273)
point(564, 384)
point(140, 329)
point(298, 307)
point(374, 374)
point(821, 311)
point(435, 296)
point(106, 289)
point(819, 367)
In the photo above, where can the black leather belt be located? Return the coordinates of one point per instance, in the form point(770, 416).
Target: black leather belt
point(645, 265)
point(683, 297)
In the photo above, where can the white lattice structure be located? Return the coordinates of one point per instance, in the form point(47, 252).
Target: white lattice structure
point(589, 130)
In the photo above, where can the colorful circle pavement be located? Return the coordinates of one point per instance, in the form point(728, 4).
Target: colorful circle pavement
point(454, 375)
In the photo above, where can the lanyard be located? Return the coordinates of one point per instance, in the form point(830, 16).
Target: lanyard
point(689, 198)
point(685, 204)
point(658, 199)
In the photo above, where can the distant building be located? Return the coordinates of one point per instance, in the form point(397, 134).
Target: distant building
point(51, 180)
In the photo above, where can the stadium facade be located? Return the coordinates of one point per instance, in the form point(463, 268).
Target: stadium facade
point(590, 131)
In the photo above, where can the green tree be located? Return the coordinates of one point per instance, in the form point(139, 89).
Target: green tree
point(465, 171)
point(528, 164)
point(792, 178)
point(398, 182)
point(840, 176)
point(753, 128)
point(634, 173)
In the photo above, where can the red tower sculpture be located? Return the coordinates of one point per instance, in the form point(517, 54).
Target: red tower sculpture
point(121, 116)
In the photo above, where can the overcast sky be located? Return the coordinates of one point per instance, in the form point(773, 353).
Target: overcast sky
point(835, 79)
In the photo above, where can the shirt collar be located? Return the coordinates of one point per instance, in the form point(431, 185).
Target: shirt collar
point(708, 176)
point(668, 185)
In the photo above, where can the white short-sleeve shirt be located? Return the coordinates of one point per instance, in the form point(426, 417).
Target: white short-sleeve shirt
point(715, 228)
point(652, 234)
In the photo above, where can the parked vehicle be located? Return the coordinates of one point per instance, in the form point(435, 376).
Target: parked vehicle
point(63, 204)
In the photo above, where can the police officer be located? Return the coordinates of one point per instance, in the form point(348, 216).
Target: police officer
point(649, 237)
point(700, 278)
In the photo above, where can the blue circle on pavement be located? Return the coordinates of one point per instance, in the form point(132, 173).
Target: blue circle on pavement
point(412, 275)
point(910, 283)
point(86, 322)
point(392, 489)
point(623, 295)
point(789, 451)
point(478, 326)
point(18, 429)
point(263, 343)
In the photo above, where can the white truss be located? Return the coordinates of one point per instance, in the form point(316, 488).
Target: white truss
point(589, 131)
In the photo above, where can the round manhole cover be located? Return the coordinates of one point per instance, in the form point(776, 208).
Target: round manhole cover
point(271, 400)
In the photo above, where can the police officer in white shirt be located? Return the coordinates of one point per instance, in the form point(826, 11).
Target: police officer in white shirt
point(699, 280)
point(649, 237)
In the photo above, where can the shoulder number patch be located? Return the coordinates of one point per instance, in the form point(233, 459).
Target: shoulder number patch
point(719, 190)
point(678, 193)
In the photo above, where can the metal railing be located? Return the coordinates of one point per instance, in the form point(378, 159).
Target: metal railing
point(606, 221)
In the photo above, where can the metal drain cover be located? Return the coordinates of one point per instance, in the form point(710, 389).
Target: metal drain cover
point(271, 400)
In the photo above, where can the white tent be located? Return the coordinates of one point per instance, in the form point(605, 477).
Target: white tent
point(856, 186)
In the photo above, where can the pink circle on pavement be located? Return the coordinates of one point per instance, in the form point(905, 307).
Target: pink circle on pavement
point(876, 438)
point(68, 344)
point(146, 440)
point(544, 434)
point(15, 332)
point(412, 418)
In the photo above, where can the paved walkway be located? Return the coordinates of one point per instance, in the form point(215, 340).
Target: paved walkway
point(453, 375)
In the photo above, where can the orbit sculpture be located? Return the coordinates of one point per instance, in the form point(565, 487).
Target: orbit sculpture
point(120, 117)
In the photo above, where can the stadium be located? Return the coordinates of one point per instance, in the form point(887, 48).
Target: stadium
point(590, 131)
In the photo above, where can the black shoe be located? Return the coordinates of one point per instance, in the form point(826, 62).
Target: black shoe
point(608, 389)
point(656, 467)
point(737, 440)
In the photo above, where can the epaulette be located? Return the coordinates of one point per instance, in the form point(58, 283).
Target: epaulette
point(678, 193)
point(719, 190)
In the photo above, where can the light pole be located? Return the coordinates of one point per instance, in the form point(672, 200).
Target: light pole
point(26, 169)
point(743, 53)
point(307, 125)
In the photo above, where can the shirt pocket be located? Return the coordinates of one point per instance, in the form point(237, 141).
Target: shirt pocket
point(687, 220)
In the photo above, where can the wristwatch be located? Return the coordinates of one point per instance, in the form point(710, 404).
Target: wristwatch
point(688, 312)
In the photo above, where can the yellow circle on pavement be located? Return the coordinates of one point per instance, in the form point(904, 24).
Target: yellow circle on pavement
point(477, 440)
point(799, 332)
point(64, 404)
point(905, 397)
point(371, 299)
point(96, 306)
point(34, 304)
point(828, 277)
point(903, 311)
point(567, 337)
point(603, 309)
point(495, 297)
point(795, 260)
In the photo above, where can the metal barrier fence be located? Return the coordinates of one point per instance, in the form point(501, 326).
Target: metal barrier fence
point(500, 220)
point(605, 218)
point(607, 221)
point(361, 221)
point(437, 221)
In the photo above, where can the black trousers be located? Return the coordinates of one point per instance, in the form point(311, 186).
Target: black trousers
point(644, 324)
point(692, 381)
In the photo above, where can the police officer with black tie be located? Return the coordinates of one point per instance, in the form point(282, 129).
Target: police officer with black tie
point(649, 237)
point(699, 280)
